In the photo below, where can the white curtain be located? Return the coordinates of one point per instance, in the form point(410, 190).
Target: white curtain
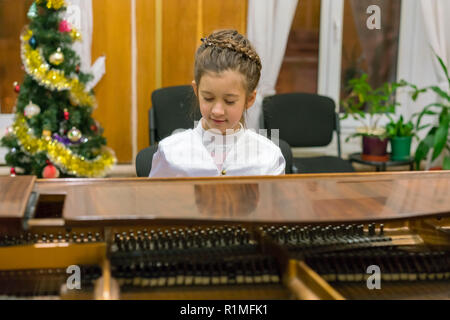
point(79, 14)
point(437, 28)
point(268, 26)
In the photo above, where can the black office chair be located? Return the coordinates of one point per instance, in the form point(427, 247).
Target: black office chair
point(306, 120)
point(171, 110)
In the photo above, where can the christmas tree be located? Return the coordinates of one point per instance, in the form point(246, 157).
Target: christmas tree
point(54, 134)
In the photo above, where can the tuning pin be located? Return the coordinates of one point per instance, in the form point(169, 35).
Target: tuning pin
point(371, 229)
point(336, 231)
point(360, 228)
point(381, 229)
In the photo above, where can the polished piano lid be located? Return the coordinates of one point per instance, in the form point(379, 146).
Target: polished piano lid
point(14, 195)
point(317, 198)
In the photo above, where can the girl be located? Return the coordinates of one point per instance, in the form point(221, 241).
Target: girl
point(227, 71)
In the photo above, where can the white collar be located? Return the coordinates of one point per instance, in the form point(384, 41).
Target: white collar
point(214, 135)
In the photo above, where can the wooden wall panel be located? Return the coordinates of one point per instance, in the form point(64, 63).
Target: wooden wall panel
point(112, 37)
point(179, 41)
point(145, 24)
point(13, 18)
point(230, 14)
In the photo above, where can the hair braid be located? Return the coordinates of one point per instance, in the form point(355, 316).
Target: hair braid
point(243, 46)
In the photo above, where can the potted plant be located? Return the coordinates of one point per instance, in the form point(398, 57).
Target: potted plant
point(400, 134)
point(368, 106)
point(437, 138)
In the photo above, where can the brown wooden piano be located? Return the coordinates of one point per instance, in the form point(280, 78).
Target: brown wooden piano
point(284, 237)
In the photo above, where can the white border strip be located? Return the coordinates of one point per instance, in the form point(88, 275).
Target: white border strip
point(134, 103)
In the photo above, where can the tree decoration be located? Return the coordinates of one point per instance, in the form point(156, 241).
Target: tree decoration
point(8, 131)
point(64, 26)
point(75, 34)
point(50, 171)
point(31, 110)
point(16, 87)
point(60, 155)
point(66, 114)
point(33, 11)
point(52, 4)
point(57, 57)
point(93, 128)
point(46, 133)
point(74, 135)
point(33, 42)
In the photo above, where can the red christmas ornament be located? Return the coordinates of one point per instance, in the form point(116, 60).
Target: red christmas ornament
point(16, 87)
point(50, 172)
point(77, 68)
point(93, 128)
point(64, 26)
point(13, 172)
point(66, 114)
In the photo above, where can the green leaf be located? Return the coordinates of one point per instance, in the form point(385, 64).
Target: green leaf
point(439, 141)
point(424, 146)
point(417, 92)
point(443, 67)
point(429, 139)
point(421, 153)
point(440, 92)
point(425, 111)
point(446, 165)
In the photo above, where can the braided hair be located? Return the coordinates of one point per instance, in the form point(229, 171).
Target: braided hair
point(228, 50)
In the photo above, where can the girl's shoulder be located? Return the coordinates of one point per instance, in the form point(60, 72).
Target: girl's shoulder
point(178, 137)
point(262, 141)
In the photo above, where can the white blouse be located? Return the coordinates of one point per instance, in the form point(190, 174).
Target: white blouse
point(200, 153)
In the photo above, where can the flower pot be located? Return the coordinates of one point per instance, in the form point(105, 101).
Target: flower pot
point(374, 149)
point(401, 148)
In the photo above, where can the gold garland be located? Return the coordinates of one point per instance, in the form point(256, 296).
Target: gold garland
point(35, 65)
point(62, 156)
point(53, 4)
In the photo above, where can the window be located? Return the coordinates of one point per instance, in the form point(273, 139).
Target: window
point(299, 70)
point(370, 51)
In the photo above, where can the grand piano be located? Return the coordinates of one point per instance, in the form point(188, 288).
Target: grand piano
point(322, 236)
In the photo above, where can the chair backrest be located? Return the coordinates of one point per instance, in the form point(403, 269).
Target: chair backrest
point(303, 119)
point(144, 161)
point(287, 154)
point(171, 110)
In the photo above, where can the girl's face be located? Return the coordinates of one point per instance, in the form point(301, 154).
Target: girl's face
point(223, 99)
